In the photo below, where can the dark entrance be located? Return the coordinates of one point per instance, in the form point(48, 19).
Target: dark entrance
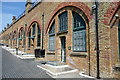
point(63, 48)
point(39, 53)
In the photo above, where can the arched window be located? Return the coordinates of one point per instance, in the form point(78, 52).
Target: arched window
point(34, 31)
point(21, 34)
point(79, 33)
point(14, 38)
point(21, 37)
point(63, 22)
point(52, 37)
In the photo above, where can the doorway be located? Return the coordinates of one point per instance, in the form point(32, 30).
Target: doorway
point(63, 48)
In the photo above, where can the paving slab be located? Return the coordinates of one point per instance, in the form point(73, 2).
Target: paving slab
point(13, 67)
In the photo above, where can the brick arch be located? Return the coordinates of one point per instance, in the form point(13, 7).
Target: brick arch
point(33, 21)
point(111, 12)
point(80, 5)
point(20, 29)
point(14, 31)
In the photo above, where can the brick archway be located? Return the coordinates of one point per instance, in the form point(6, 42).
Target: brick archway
point(80, 5)
point(33, 21)
point(20, 29)
point(15, 31)
point(110, 12)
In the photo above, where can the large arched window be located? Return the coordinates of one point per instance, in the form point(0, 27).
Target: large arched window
point(21, 37)
point(79, 33)
point(21, 34)
point(52, 37)
point(34, 31)
point(14, 38)
point(63, 22)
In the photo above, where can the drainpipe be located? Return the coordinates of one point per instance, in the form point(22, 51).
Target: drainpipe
point(17, 41)
point(24, 38)
point(42, 29)
point(89, 50)
point(97, 38)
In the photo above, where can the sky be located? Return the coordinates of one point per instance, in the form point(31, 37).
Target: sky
point(9, 9)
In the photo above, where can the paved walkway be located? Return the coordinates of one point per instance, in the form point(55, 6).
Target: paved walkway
point(13, 67)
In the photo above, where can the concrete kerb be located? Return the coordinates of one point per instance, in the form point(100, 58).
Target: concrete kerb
point(59, 73)
point(82, 74)
point(21, 54)
point(57, 66)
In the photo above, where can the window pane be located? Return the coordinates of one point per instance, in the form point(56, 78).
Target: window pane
point(38, 37)
point(79, 33)
point(52, 43)
point(29, 38)
point(52, 29)
point(79, 42)
point(63, 22)
point(38, 29)
point(78, 21)
point(33, 27)
point(52, 37)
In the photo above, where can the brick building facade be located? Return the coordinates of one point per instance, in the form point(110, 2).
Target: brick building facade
point(66, 31)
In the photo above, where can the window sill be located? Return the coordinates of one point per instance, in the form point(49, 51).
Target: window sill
point(51, 53)
point(62, 32)
point(78, 54)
